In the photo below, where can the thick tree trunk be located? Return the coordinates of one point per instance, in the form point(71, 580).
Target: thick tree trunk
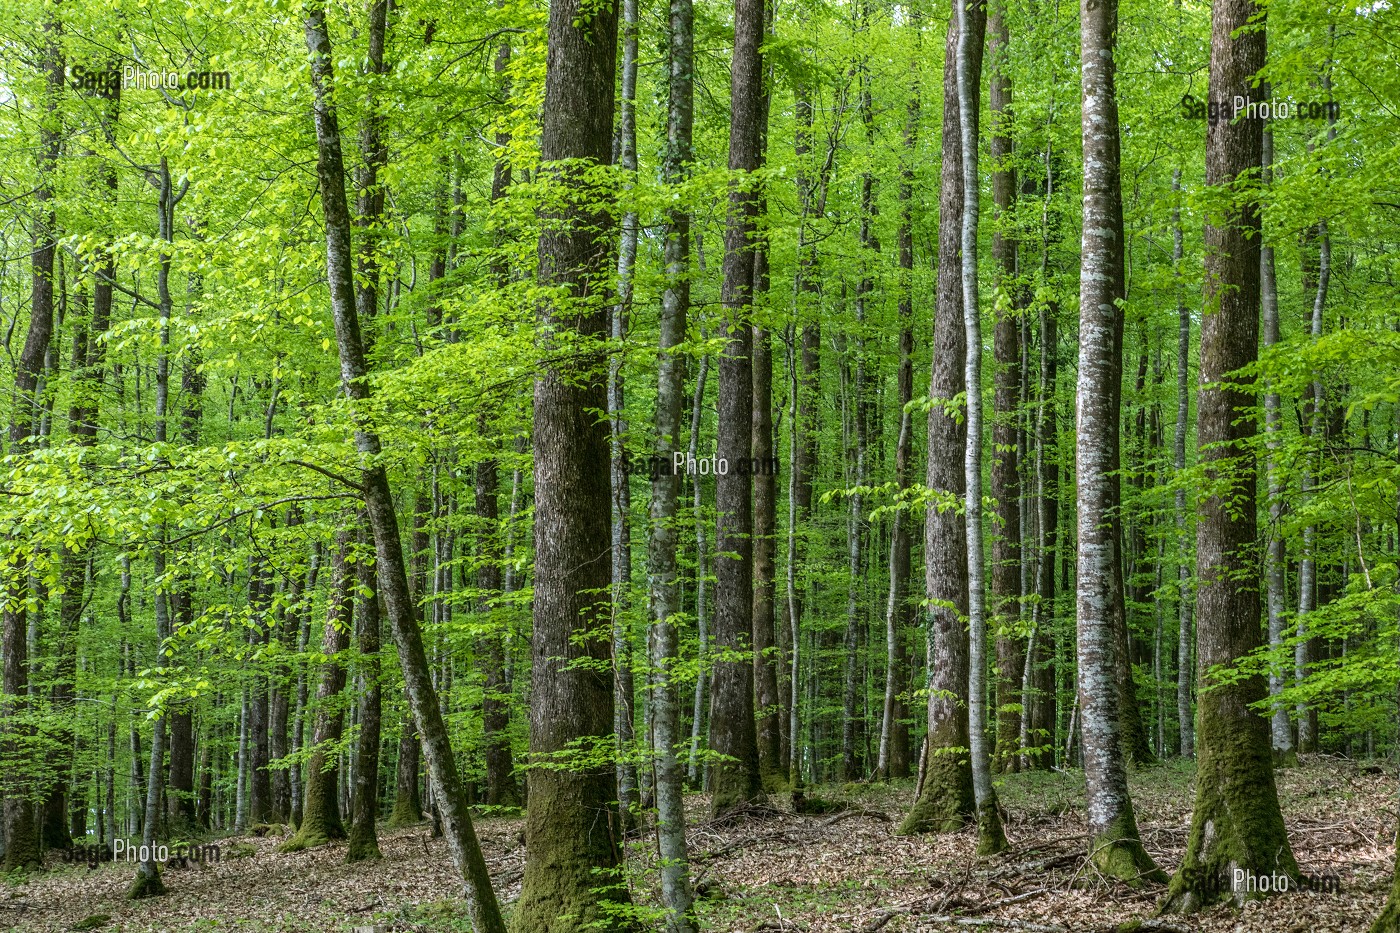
point(393, 580)
point(1236, 823)
point(570, 834)
point(772, 766)
point(1114, 846)
point(734, 780)
point(946, 801)
point(1006, 380)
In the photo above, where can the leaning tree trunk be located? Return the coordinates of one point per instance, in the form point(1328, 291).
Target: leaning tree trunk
point(1236, 823)
point(972, 26)
point(569, 834)
point(1114, 846)
point(946, 801)
point(735, 779)
point(374, 483)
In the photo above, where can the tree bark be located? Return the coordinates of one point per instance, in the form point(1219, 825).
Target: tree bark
point(1006, 380)
point(1114, 846)
point(570, 834)
point(664, 537)
point(1185, 595)
point(1236, 823)
point(946, 800)
point(363, 840)
point(502, 790)
point(734, 779)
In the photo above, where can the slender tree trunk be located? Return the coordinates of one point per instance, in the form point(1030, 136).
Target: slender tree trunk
point(663, 541)
point(1114, 846)
point(320, 820)
point(893, 761)
point(734, 780)
point(1276, 560)
point(501, 786)
point(946, 800)
point(17, 812)
point(393, 580)
point(702, 682)
point(972, 26)
point(1185, 596)
point(364, 842)
point(1043, 706)
point(624, 716)
point(569, 834)
point(1236, 823)
point(1006, 380)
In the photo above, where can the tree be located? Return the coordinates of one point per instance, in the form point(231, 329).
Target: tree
point(1236, 823)
point(1114, 846)
point(734, 778)
point(946, 802)
point(572, 698)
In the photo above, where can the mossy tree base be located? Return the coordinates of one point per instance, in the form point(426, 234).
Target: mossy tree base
point(1119, 856)
point(320, 822)
point(145, 886)
point(22, 838)
point(991, 838)
point(363, 850)
point(404, 815)
point(946, 804)
point(1389, 920)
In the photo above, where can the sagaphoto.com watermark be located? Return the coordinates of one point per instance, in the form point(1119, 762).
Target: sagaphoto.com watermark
point(107, 81)
point(181, 855)
point(1240, 107)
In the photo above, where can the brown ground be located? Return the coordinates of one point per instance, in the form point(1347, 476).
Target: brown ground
point(843, 871)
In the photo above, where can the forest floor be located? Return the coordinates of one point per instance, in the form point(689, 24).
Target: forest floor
point(840, 871)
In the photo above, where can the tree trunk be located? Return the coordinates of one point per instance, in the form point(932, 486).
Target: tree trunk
point(320, 820)
point(364, 842)
point(569, 834)
point(1042, 710)
point(1236, 823)
point(501, 787)
point(1185, 596)
point(663, 540)
point(1114, 846)
point(17, 811)
point(893, 761)
point(393, 580)
point(1006, 380)
point(1276, 560)
point(946, 800)
point(972, 27)
point(734, 780)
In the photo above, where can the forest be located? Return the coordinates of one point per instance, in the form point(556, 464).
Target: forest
point(700, 465)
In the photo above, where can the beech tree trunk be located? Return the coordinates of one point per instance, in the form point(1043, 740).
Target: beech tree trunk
point(364, 841)
point(1236, 822)
point(570, 834)
point(1185, 595)
point(946, 800)
point(1114, 846)
point(1006, 380)
point(735, 780)
point(664, 537)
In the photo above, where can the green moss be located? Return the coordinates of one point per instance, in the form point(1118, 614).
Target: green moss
point(1118, 853)
point(1389, 920)
point(320, 821)
point(1236, 821)
point(991, 838)
point(364, 845)
point(146, 886)
point(946, 804)
point(92, 923)
point(22, 842)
